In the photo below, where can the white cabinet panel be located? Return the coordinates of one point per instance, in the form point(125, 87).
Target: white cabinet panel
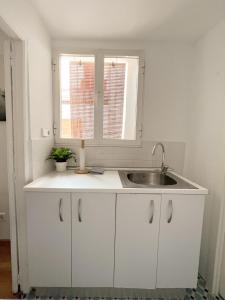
point(49, 239)
point(93, 234)
point(137, 229)
point(179, 240)
point(155, 239)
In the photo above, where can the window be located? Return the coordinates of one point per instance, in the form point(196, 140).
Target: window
point(77, 94)
point(99, 98)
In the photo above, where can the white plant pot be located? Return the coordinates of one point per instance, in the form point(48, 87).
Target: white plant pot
point(61, 166)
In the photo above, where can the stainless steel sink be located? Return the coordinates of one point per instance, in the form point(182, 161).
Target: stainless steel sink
point(152, 179)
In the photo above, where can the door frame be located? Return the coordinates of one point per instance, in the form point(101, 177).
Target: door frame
point(19, 155)
point(18, 149)
point(11, 165)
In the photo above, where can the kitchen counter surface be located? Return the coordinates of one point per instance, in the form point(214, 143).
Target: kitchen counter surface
point(108, 182)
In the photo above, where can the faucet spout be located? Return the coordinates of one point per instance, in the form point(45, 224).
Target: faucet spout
point(163, 154)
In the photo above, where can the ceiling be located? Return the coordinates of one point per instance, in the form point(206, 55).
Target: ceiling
point(184, 20)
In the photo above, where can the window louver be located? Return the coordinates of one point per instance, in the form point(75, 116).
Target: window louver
point(78, 101)
point(114, 85)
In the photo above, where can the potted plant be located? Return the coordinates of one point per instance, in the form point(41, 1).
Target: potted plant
point(61, 156)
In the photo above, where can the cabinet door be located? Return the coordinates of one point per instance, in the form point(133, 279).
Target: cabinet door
point(137, 230)
point(93, 233)
point(179, 240)
point(49, 239)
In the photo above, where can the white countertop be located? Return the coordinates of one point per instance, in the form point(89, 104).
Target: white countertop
point(108, 182)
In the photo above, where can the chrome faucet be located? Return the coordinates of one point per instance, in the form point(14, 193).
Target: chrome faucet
point(164, 168)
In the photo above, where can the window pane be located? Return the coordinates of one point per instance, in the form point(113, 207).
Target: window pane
point(120, 97)
point(77, 94)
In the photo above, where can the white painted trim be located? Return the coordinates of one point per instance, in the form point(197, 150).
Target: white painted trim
point(10, 164)
point(219, 250)
point(17, 136)
point(99, 54)
point(125, 103)
point(56, 97)
point(22, 162)
point(98, 117)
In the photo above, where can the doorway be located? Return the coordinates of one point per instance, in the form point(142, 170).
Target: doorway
point(12, 158)
point(5, 237)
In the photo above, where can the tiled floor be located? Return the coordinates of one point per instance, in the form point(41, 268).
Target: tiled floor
point(5, 271)
point(200, 293)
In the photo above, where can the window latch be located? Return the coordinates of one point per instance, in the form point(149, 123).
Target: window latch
point(54, 129)
point(141, 131)
point(53, 67)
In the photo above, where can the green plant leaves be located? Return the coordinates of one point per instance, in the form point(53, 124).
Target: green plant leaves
point(61, 154)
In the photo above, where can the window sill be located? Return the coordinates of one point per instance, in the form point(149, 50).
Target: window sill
point(107, 143)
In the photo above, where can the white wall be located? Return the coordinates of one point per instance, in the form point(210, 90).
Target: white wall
point(206, 149)
point(4, 197)
point(166, 94)
point(3, 37)
point(25, 22)
point(2, 81)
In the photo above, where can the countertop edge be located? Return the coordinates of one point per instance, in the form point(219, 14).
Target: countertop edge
point(199, 190)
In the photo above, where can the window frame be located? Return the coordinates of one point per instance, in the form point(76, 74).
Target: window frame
point(99, 94)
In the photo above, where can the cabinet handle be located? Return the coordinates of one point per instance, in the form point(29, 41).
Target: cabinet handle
point(170, 209)
point(60, 210)
point(79, 209)
point(152, 210)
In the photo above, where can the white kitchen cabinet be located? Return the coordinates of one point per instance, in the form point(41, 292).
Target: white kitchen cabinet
point(179, 240)
point(49, 239)
point(93, 234)
point(100, 239)
point(137, 231)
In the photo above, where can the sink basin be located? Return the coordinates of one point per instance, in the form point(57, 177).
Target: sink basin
point(151, 178)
